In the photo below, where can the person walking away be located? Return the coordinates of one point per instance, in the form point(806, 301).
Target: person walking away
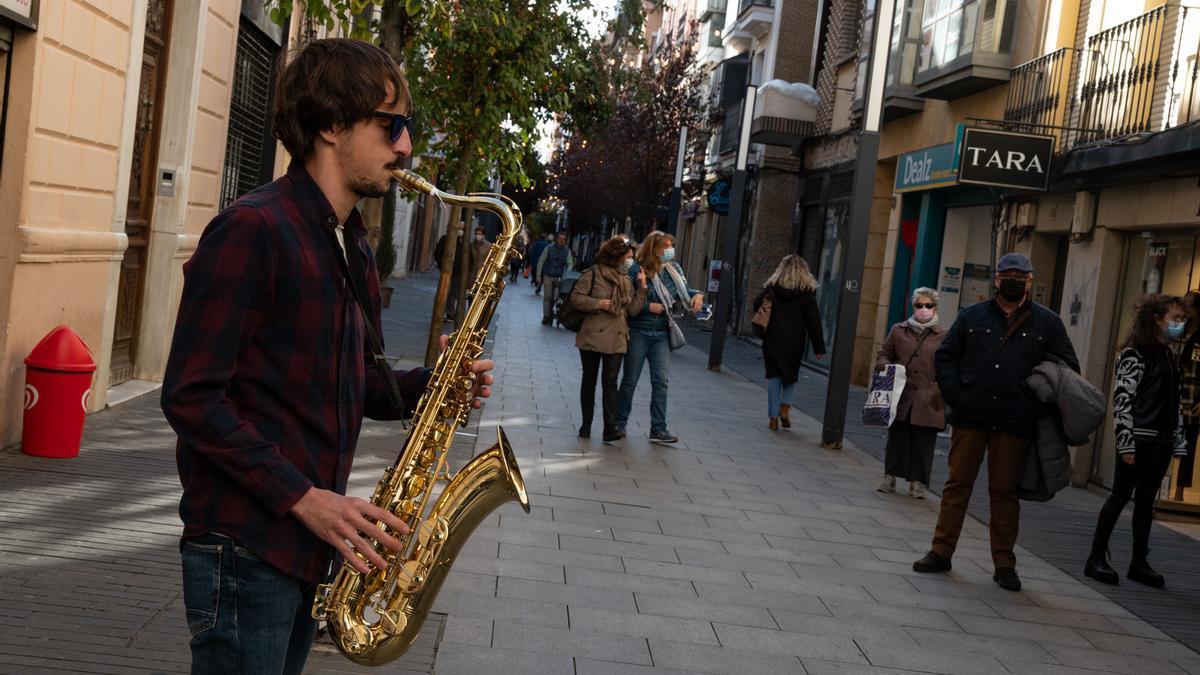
point(268, 380)
point(1148, 424)
point(608, 295)
point(981, 367)
point(518, 261)
point(535, 254)
point(920, 414)
point(1189, 373)
point(553, 263)
point(649, 341)
point(479, 250)
point(795, 321)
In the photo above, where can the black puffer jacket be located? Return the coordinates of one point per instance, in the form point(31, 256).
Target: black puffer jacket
point(982, 376)
point(795, 319)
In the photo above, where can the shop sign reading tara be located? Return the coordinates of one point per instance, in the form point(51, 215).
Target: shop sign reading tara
point(1005, 159)
point(21, 12)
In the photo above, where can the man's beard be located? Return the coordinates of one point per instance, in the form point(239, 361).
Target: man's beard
point(366, 189)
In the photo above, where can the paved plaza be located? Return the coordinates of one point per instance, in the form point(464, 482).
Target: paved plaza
point(737, 550)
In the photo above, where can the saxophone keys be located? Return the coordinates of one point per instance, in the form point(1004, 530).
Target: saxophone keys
point(393, 621)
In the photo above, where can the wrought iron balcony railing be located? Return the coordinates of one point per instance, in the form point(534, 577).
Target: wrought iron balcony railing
point(1040, 97)
point(1124, 64)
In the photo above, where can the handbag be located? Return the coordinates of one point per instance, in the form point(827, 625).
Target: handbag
point(886, 387)
point(675, 338)
point(569, 316)
point(762, 317)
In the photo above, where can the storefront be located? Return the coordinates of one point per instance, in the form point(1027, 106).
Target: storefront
point(1164, 261)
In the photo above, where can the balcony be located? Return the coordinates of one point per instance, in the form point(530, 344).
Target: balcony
point(965, 50)
point(709, 7)
point(1137, 82)
point(1040, 97)
point(754, 19)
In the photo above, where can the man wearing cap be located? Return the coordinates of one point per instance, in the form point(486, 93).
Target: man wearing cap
point(982, 365)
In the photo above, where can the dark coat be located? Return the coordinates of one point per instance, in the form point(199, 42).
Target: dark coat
point(982, 376)
point(603, 331)
point(914, 350)
point(795, 319)
point(1078, 409)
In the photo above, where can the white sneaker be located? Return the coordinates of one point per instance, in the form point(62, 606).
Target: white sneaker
point(888, 484)
point(916, 490)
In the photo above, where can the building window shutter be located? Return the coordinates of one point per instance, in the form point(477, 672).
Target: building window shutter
point(249, 148)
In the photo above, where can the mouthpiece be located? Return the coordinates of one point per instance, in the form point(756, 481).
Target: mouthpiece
point(411, 181)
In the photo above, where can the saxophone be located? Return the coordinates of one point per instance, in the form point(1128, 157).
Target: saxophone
point(374, 618)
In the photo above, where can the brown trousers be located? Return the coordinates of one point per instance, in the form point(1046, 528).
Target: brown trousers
point(1006, 461)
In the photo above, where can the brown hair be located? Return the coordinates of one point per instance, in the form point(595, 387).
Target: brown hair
point(647, 253)
point(328, 83)
point(1147, 313)
point(613, 251)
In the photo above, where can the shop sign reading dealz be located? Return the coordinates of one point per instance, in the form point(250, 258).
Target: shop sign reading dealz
point(1005, 159)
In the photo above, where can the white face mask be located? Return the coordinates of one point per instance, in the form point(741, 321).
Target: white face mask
point(479, 237)
point(626, 264)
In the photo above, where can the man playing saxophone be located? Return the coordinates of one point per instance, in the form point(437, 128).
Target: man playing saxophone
point(271, 369)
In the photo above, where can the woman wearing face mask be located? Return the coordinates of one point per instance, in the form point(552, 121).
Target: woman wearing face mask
point(795, 321)
point(1149, 431)
point(607, 293)
point(920, 413)
point(648, 336)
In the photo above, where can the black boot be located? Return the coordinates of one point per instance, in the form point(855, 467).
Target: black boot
point(1143, 573)
point(585, 431)
point(1097, 567)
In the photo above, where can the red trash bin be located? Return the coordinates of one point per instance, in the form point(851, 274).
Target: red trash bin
point(58, 384)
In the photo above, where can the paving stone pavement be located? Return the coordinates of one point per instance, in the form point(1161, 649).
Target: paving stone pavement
point(735, 550)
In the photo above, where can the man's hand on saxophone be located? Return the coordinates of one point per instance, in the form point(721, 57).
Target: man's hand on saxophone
point(481, 369)
point(348, 524)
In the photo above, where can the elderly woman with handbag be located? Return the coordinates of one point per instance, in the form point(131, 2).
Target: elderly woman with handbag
point(920, 413)
point(786, 317)
point(653, 332)
point(607, 296)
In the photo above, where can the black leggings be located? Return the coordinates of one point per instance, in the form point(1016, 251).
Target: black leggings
point(608, 384)
point(1141, 481)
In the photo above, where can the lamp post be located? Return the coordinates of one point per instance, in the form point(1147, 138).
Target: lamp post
point(677, 187)
point(733, 227)
point(853, 257)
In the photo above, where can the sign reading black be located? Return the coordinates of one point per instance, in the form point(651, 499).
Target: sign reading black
point(1005, 159)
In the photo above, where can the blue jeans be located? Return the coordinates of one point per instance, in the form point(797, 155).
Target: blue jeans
point(244, 615)
point(652, 346)
point(777, 394)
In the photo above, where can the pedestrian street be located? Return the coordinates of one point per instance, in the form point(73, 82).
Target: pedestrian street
point(737, 550)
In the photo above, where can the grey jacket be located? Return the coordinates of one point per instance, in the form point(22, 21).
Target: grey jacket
point(1078, 410)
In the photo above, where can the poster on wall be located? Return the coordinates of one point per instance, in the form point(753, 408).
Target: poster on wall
point(1156, 267)
point(21, 12)
point(976, 285)
point(951, 279)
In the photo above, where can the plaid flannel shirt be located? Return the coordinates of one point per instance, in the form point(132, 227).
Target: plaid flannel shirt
point(269, 376)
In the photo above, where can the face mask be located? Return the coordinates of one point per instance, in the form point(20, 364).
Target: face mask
point(1175, 329)
point(1012, 290)
point(479, 237)
point(626, 264)
point(668, 255)
point(924, 315)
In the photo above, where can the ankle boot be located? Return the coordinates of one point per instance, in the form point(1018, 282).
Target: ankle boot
point(773, 423)
point(1097, 567)
point(1143, 573)
point(786, 421)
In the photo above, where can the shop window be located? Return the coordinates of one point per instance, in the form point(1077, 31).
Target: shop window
point(249, 149)
point(966, 46)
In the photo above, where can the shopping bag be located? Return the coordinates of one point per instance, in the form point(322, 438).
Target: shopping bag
point(884, 396)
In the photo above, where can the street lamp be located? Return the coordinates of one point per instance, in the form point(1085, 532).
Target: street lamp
point(677, 188)
point(733, 227)
point(833, 425)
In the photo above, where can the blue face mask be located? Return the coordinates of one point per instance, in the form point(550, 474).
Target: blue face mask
point(668, 255)
point(1175, 329)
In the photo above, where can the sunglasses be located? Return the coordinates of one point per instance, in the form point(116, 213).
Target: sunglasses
point(924, 305)
point(397, 123)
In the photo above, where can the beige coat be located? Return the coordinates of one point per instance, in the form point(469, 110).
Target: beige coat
point(921, 396)
point(606, 331)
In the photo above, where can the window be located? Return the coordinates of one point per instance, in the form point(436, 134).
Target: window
point(6, 36)
point(948, 29)
point(249, 149)
point(905, 42)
